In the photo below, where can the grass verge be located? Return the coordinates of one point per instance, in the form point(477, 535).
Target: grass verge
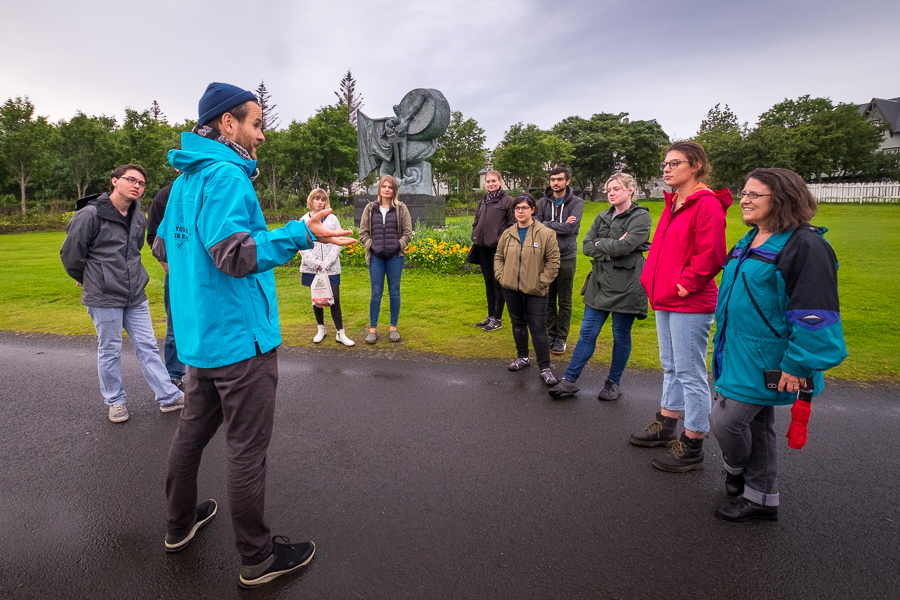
point(438, 310)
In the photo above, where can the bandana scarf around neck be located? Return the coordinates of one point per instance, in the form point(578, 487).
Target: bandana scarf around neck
point(495, 195)
point(212, 134)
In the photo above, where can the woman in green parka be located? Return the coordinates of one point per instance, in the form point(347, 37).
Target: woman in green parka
point(616, 242)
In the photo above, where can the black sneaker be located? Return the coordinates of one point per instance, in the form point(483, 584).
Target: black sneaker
point(519, 364)
point(548, 377)
point(286, 558)
point(563, 389)
point(610, 391)
point(205, 512)
point(558, 347)
point(493, 325)
point(483, 323)
point(179, 383)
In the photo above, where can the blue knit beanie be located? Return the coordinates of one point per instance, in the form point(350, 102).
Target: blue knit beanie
point(219, 98)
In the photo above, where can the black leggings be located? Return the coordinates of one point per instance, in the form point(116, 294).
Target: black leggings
point(336, 315)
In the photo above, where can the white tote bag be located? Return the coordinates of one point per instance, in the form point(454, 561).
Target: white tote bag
point(321, 290)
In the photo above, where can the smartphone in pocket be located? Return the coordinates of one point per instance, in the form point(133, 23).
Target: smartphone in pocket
point(771, 378)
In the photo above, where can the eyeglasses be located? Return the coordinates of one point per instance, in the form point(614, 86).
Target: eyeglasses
point(752, 195)
point(672, 164)
point(133, 181)
point(522, 208)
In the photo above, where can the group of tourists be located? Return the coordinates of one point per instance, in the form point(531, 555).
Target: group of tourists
point(777, 309)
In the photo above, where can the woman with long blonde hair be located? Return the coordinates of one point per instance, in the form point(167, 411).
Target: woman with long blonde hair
point(385, 229)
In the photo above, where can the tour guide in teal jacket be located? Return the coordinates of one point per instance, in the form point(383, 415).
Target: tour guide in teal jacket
point(213, 211)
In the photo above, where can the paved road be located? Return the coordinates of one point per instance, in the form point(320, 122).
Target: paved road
point(422, 478)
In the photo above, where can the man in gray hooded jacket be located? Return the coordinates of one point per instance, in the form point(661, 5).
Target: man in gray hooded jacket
point(102, 253)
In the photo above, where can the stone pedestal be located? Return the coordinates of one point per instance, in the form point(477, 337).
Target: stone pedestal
point(423, 208)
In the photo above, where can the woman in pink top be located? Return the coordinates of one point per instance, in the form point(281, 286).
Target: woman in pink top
point(687, 252)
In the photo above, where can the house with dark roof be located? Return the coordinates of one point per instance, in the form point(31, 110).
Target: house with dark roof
point(885, 111)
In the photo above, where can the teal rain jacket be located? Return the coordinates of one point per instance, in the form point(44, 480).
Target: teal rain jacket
point(777, 310)
point(220, 255)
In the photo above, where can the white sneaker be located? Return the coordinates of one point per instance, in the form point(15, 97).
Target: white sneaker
point(118, 413)
point(320, 335)
point(342, 338)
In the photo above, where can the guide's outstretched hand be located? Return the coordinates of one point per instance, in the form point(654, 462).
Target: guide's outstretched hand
point(338, 237)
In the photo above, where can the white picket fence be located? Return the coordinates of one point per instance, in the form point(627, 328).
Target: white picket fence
point(855, 192)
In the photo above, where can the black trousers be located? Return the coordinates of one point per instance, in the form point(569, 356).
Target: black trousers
point(336, 314)
point(242, 396)
point(559, 303)
point(529, 313)
point(492, 288)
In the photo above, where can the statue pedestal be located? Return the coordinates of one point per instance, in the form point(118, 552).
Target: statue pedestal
point(423, 208)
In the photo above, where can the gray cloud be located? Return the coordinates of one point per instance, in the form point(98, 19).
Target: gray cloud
point(534, 61)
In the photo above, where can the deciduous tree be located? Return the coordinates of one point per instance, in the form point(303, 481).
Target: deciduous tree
point(25, 141)
point(525, 154)
point(460, 153)
point(86, 149)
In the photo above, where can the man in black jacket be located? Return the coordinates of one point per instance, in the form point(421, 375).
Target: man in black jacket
point(157, 211)
point(102, 253)
point(561, 210)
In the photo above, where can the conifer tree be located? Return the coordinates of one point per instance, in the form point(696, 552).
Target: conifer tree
point(156, 112)
point(348, 96)
point(269, 116)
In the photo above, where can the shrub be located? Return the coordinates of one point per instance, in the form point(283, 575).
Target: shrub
point(441, 250)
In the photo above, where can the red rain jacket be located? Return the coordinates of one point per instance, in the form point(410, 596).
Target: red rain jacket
point(688, 248)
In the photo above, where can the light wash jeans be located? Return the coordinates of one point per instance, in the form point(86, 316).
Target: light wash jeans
point(174, 366)
point(136, 321)
point(378, 269)
point(683, 344)
point(591, 325)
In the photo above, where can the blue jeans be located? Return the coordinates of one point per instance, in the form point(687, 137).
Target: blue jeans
point(136, 320)
point(378, 268)
point(683, 344)
point(174, 366)
point(587, 342)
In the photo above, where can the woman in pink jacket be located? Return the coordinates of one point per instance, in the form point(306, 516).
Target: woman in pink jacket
point(687, 252)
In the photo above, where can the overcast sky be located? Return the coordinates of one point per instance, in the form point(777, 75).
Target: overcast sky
point(534, 61)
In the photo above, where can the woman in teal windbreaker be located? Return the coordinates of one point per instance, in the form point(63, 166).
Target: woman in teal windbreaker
point(777, 310)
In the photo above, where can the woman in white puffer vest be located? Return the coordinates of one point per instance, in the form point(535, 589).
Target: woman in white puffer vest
point(327, 258)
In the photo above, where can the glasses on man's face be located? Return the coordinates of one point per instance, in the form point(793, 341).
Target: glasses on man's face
point(133, 181)
point(752, 195)
point(672, 164)
point(522, 208)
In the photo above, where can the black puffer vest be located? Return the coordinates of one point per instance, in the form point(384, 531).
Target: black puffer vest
point(385, 239)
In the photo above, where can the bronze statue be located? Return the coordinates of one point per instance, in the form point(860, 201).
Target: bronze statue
point(400, 145)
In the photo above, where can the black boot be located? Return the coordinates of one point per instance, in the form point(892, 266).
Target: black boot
point(734, 484)
point(685, 454)
point(741, 510)
point(659, 432)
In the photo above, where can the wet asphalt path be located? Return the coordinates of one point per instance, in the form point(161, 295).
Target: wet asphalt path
point(422, 478)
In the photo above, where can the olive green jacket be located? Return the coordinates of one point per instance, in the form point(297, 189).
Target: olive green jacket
point(528, 267)
point(615, 280)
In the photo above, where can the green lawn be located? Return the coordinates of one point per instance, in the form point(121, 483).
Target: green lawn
point(438, 310)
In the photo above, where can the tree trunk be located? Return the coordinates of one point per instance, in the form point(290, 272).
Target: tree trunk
point(22, 188)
